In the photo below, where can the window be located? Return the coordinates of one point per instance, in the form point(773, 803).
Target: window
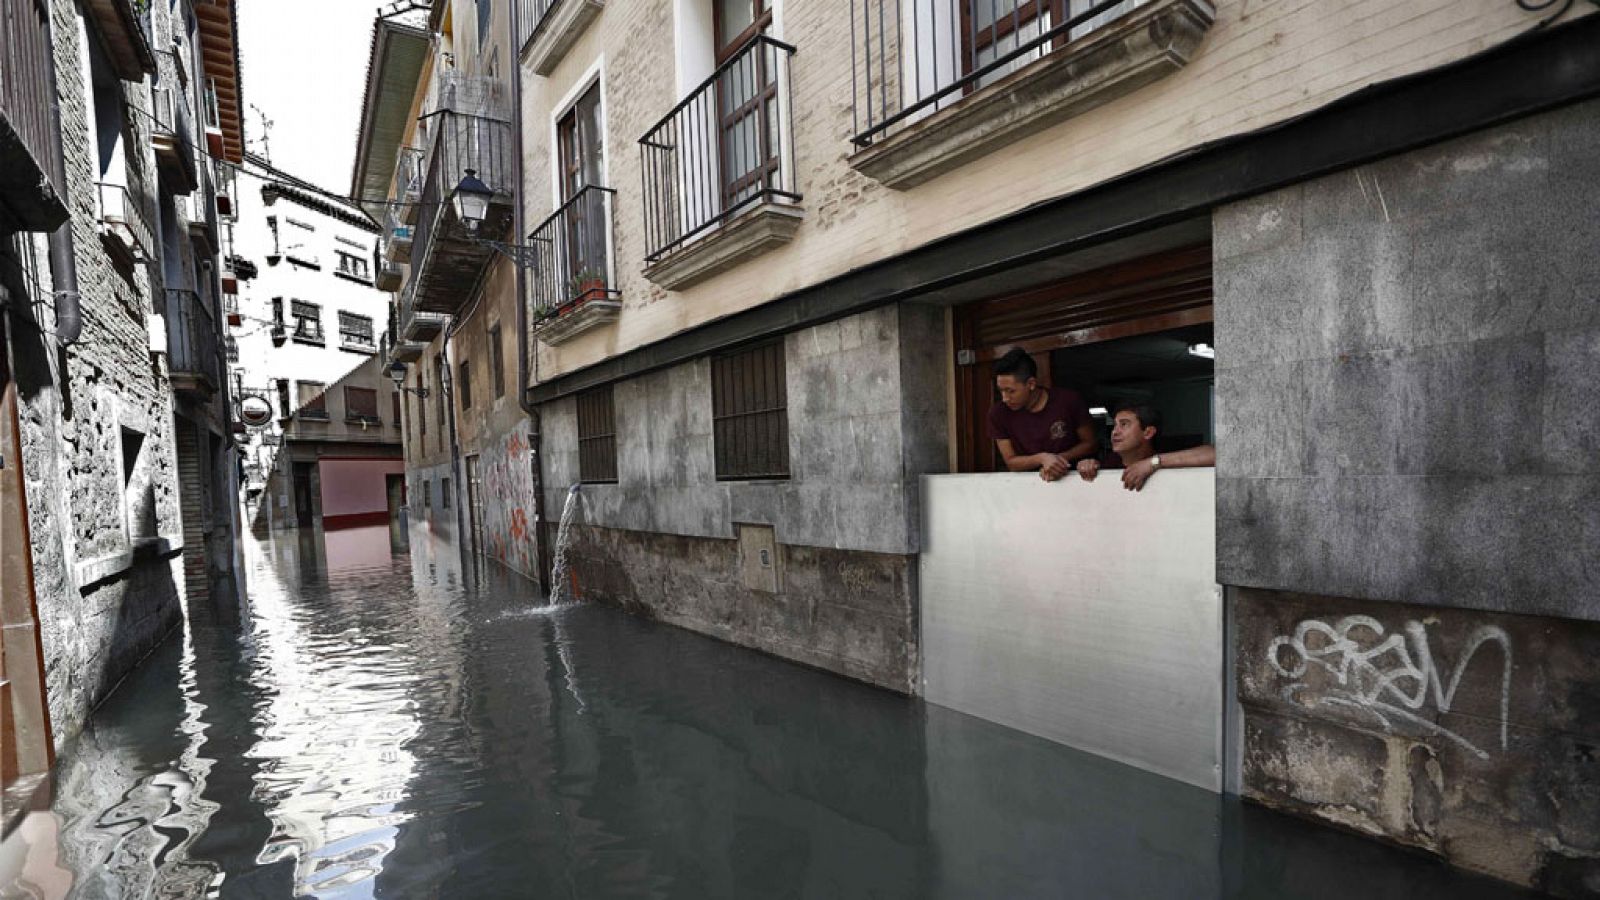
point(313, 402)
point(355, 332)
point(421, 416)
point(353, 266)
point(464, 385)
point(284, 409)
point(749, 413)
point(361, 405)
point(439, 392)
point(307, 322)
point(277, 311)
point(231, 348)
point(394, 400)
point(580, 141)
point(444, 492)
point(497, 362)
point(427, 494)
point(485, 17)
point(597, 436)
point(299, 241)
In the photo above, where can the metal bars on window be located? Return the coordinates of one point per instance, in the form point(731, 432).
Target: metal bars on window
point(725, 147)
point(750, 419)
point(597, 437)
point(911, 58)
point(307, 321)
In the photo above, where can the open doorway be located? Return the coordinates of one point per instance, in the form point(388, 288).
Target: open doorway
point(1170, 371)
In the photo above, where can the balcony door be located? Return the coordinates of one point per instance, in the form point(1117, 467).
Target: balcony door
point(747, 108)
point(581, 141)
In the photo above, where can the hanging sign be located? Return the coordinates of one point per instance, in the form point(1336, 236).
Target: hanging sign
point(255, 410)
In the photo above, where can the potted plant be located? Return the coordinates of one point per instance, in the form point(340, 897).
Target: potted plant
point(585, 283)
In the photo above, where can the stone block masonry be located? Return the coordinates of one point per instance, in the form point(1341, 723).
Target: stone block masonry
point(866, 419)
point(1408, 481)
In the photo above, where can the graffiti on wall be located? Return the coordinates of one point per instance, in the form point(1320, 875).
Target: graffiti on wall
point(1388, 677)
point(509, 486)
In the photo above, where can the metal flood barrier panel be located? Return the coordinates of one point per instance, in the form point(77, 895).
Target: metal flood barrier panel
point(1079, 612)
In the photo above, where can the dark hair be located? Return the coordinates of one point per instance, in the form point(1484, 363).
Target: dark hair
point(1016, 363)
point(1148, 416)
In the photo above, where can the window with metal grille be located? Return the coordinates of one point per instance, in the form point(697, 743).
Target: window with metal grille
point(313, 402)
point(355, 332)
point(497, 362)
point(361, 405)
point(750, 420)
point(231, 347)
point(427, 494)
point(464, 385)
point(307, 322)
point(353, 267)
point(597, 437)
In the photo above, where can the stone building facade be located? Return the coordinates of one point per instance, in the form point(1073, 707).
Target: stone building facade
point(1373, 220)
point(124, 465)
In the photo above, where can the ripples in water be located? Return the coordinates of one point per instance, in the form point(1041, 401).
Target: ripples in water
point(393, 725)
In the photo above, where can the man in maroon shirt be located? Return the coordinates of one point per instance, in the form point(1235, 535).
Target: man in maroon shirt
point(1037, 428)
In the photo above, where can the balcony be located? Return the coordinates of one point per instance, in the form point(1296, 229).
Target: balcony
point(415, 324)
point(124, 27)
point(938, 83)
point(171, 137)
point(392, 350)
point(124, 229)
point(572, 287)
point(30, 195)
point(225, 177)
point(549, 28)
point(394, 241)
point(230, 306)
point(719, 173)
point(389, 276)
point(447, 257)
point(213, 121)
point(410, 173)
point(193, 358)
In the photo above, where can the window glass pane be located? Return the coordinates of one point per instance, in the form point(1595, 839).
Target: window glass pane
point(733, 17)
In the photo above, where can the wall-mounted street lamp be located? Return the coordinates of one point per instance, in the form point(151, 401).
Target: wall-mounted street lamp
point(397, 374)
point(471, 199)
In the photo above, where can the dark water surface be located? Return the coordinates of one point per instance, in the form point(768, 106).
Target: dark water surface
point(389, 725)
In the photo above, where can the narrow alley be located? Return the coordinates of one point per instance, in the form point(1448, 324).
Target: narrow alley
point(392, 725)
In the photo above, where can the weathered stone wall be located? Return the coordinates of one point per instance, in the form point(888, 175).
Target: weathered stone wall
point(849, 612)
point(1406, 414)
point(1470, 734)
point(866, 415)
point(106, 578)
point(1405, 365)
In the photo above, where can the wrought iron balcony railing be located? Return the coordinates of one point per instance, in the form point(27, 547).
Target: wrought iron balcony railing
point(28, 139)
point(192, 340)
point(410, 173)
point(911, 58)
point(572, 253)
point(123, 223)
point(173, 138)
point(446, 255)
point(530, 15)
point(725, 148)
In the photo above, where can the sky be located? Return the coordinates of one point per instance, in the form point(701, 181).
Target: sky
point(305, 66)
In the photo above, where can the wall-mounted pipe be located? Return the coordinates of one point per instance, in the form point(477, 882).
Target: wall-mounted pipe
point(535, 432)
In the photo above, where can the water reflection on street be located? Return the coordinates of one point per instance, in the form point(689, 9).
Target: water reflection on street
point(390, 723)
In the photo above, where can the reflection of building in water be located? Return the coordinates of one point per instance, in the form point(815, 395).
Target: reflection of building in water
point(752, 337)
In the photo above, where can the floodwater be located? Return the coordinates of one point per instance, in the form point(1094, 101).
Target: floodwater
point(388, 724)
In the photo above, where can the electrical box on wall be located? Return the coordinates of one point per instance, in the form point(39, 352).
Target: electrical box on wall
point(760, 563)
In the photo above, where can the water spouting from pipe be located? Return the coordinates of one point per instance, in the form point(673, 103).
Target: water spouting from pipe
point(561, 589)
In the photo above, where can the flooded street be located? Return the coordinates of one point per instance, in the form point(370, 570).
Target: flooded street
point(387, 724)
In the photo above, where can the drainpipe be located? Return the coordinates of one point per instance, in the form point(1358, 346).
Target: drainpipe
point(63, 259)
point(535, 432)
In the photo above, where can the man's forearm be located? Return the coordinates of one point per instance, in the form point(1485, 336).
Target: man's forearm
point(1080, 450)
point(1021, 463)
point(1194, 458)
